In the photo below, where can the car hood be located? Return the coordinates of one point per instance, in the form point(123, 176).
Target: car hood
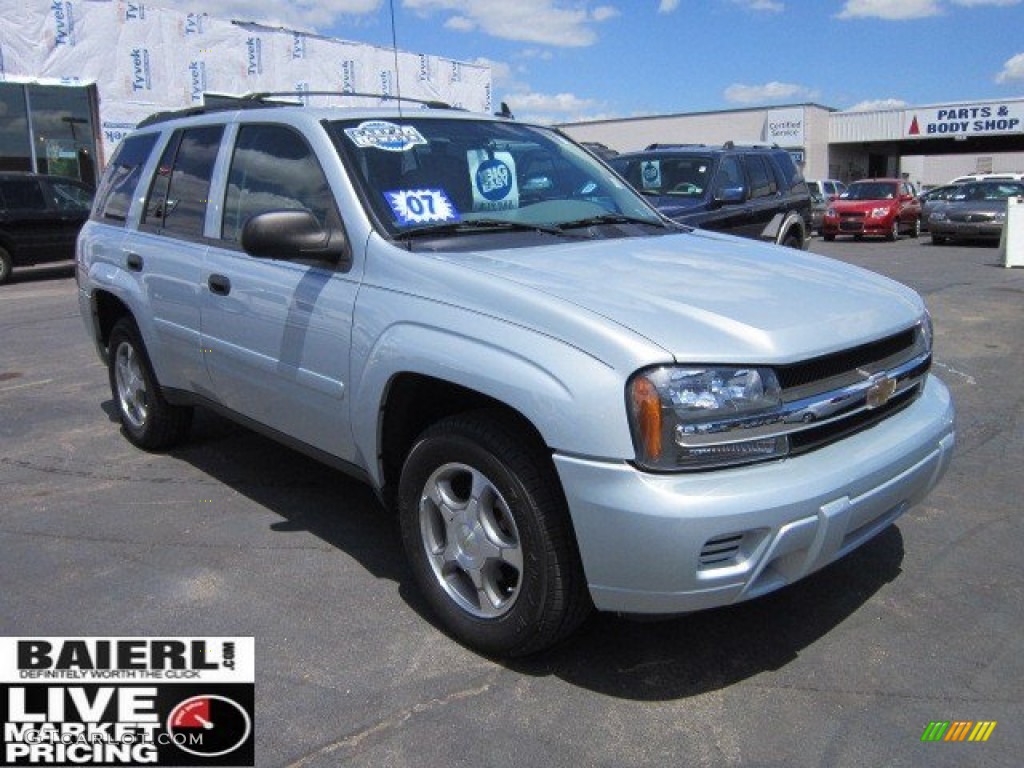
point(855, 206)
point(706, 297)
point(975, 206)
point(676, 206)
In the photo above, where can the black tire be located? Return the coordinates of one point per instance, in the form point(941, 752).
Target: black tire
point(915, 231)
point(793, 240)
point(938, 240)
point(147, 419)
point(829, 238)
point(6, 266)
point(531, 593)
point(894, 232)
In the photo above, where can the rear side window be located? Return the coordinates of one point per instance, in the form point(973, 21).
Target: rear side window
point(792, 179)
point(114, 197)
point(274, 169)
point(22, 195)
point(70, 197)
point(181, 185)
point(762, 180)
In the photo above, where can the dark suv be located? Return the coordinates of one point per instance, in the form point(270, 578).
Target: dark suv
point(39, 219)
point(752, 191)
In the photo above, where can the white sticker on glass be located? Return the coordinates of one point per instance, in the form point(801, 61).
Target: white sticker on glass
point(421, 206)
point(381, 134)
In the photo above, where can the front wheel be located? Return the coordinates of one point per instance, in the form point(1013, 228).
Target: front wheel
point(915, 231)
point(6, 266)
point(829, 238)
point(488, 535)
point(148, 420)
point(894, 231)
point(938, 240)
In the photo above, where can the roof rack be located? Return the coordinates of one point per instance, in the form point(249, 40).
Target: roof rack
point(657, 145)
point(734, 144)
point(229, 103)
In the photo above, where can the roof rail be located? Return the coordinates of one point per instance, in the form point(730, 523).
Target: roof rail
point(734, 144)
point(658, 145)
point(229, 103)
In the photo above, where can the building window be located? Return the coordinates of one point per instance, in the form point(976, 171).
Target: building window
point(15, 150)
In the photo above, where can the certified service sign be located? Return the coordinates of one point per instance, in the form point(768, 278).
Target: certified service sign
point(127, 701)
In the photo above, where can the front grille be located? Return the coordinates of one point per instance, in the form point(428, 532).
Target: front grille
point(829, 367)
point(818, 437)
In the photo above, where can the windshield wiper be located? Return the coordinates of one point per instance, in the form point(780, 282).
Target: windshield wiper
point(609, 218)
point(479, 225)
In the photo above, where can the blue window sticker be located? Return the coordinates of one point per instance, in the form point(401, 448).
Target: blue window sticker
point(493, 175)
point(421, 206)
point(381, 134)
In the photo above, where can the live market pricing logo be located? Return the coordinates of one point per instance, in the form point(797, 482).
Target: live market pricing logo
point(127, 701)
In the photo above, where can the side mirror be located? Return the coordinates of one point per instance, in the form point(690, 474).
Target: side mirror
point(293, 235)
point(730, 195)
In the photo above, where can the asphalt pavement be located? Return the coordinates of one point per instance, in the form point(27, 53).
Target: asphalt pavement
point(234, 535)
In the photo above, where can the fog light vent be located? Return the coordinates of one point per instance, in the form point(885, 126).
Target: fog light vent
point(721, 551)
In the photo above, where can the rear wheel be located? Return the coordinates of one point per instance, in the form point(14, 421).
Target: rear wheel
point(793, 240)
point(828, 238)
point(148, 420)
point(489, 537)
point(6, 266)
point(915, 231)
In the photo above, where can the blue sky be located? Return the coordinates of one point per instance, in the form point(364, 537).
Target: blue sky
point(569, 60)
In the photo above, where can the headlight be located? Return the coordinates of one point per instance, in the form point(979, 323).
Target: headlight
point(680, 416)
point(880, 213)
point(937, 216)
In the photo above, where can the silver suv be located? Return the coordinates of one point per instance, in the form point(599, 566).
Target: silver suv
point(571, 401)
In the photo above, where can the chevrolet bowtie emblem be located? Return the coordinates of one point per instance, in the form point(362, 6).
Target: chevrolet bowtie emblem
point(881, 390)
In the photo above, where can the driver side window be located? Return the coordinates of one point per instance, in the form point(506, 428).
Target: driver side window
point(273, 169)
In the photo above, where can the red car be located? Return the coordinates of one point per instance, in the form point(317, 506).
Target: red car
point(876, 208)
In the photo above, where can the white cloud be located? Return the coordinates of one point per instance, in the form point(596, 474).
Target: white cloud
point(877, 104)
point(890, 10)
point(548, 22)
point(667, 6)
point(738, 93)
point(1013, 69)
point(762, 5)
point(535, 107)
point(295, 14)
point(460, 24)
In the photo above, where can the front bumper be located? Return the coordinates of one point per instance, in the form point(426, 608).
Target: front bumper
point(966, 230)
point(685, 542)
point(870, 227)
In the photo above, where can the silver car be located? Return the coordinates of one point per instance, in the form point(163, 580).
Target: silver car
point(570, 401)
point(976, 211)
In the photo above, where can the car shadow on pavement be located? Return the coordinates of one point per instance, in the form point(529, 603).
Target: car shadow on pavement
point(709, 650)
point(306, 494)
point(615, 656)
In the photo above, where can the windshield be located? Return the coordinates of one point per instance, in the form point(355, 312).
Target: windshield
point(441, 175)
point(870, 190)
point(988, 191)
point(679, 176)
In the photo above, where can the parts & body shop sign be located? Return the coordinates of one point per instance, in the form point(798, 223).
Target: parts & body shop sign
point(963, 120)
point(127, 701)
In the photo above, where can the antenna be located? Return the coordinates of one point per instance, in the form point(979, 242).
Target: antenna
point(394, 47)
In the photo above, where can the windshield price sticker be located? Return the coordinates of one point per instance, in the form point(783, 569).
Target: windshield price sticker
point(421, 206)
point(127, 701)
point(495, 187)
point(380, 134)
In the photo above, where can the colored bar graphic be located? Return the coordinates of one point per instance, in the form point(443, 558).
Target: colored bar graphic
point(935, 731)
point(958, 730)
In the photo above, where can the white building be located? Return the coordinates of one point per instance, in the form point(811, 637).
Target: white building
point(929, 145)
point(77, 75)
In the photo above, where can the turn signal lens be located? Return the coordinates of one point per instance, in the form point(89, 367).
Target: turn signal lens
point(647, 416)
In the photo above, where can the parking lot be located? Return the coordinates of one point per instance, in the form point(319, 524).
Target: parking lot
point(234, 535)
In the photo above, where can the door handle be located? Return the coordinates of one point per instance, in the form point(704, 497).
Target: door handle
point(219, 284)
point(134, 262)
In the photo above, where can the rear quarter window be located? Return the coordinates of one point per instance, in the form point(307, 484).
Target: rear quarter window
point(114, 196)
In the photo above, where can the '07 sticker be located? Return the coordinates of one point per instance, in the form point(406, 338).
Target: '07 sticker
point(421, 206)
